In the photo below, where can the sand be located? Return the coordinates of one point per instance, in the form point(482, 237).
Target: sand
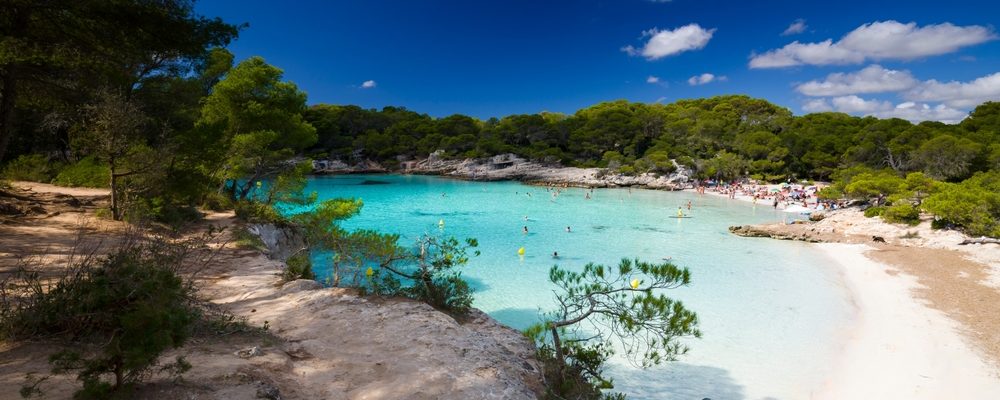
point(321, 343)
point(899, 348)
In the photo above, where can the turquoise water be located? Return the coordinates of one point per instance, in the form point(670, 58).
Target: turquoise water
point(770, 310)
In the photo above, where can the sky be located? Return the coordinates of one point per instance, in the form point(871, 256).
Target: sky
point(917, 60)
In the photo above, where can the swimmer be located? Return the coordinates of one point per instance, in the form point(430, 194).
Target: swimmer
point(525, 217)
point(555, 254)
point(568, 230)
point(588, 196)
point(525, 229)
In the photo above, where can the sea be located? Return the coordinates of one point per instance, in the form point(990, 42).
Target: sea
point(773, 313)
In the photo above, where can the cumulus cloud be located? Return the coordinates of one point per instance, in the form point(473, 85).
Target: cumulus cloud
point(368, 84)
point(795, 28)
point(958, 94)
point(871, 79)
point(911, 111)
point(884, 40)
point(704, 78)
point(652, 79)
point(669, 42)
point(816, 105)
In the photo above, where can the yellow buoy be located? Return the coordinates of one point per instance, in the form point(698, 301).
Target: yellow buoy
point(635, 283)
point(520, 251)
point(369, 272)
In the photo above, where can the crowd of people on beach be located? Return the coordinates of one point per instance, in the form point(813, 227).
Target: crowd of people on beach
point(786, 195)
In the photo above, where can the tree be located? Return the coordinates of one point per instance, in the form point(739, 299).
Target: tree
point(260, 120)
point(623, 306)
point(113, 133)
point(58, 49)
point(947, 157)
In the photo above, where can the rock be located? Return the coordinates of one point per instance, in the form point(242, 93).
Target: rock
point(267, 391)
point(248, 353)
point(299, 285)
point(817, 216)
point(281, 241)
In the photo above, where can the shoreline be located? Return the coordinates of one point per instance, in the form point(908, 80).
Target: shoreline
point(898, 346)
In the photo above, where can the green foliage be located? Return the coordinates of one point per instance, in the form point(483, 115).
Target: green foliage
point(87, 172)
point(973, 204)
point(876, 211)
point(623, 305)
point(258, 120)
point(257, 212)
point(246, 239)
point(298, 266)
point(125, 309)
point(902, 213)
point(31, 167)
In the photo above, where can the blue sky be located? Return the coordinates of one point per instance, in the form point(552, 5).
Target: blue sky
point(915, 59)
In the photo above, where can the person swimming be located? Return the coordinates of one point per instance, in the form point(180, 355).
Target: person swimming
point(568, 230)
point(525, 229)
point(555, 254)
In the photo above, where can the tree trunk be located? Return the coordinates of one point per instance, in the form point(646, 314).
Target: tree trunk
point(114, 194)
point(560, 357)
point(7, 96)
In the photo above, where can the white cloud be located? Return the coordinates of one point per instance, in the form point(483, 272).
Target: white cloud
point(871, 79)
point(670, 42)
point(652, 79)
point(704, 78)
point(855, 105)
point(914, 112)
point(368, 84)
point(909, 110)
point(958, 94)
point(885, 40)
point(816, 105)
point(795, 28)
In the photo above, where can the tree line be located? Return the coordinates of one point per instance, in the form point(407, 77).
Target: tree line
point(724, 137)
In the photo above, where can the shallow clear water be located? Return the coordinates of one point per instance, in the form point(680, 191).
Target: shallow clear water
point(769, 310)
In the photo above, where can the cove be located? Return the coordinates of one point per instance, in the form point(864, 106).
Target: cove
point(772, 312)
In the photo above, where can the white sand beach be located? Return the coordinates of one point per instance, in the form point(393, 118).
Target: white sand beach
point(899, 348)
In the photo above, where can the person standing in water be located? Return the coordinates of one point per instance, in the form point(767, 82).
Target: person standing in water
point(689, 205)
point(680, 212)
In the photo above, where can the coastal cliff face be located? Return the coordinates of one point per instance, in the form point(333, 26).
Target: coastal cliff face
point(513, 167)
point(281, 241)
point(343, 346)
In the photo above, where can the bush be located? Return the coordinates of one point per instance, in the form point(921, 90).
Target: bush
point(257, 212)
point(85, 173)
point(902, 213)
point(298, 266)
point(874, 211)
point(124, 310)
point(31, 167)
point(216, 201)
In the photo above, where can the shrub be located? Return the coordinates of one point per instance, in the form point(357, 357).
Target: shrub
point(254, 211)
point(902, 213)
point(216, 201)
point(123, 310)
point(874, 211)
point(86, 173)
point(298, 266)
point(31, 167)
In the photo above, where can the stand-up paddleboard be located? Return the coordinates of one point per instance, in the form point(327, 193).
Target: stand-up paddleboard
point(677, 216)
